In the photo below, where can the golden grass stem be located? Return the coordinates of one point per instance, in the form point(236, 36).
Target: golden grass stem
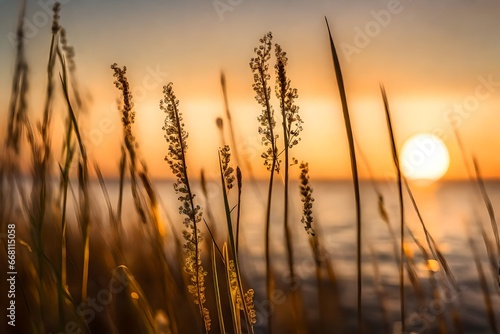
point(232, 242)
point(217, 291)
point(259, 66)
point(238, 213)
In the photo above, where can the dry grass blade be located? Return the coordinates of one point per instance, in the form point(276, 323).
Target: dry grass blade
point(395, 158)
point(238, 215)
point(17, 105)
point(489, 206)
point(83, 181)
point(354, 170)
point(230, 120)
point(208, 206)
point(431, 243)
point(493, 255)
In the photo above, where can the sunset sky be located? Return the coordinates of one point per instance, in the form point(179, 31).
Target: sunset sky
point(439, 61)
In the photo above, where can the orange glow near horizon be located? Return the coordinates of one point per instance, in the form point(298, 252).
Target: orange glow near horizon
point(428, 88)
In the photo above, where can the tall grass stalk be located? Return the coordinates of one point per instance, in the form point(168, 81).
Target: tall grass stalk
point(239, 182)
point(59, 44)
point(69, 149)
point(395, 158)
point(291, 123)
point(241, 159)
point(230, 122)
point(227, 182)
point(118, 225)
point(260, 69)
point(218, 301)
point(208, 206)
point(410, 265)
point(489, 206)
point(494, 255)
point(83, 184)
point(431, 243)
point(18, 104)
point(232, 292)
point(54, 45)
point(292, 126)
point(176, 137)
point(354, 170)
point(131, 302)
point(330, 304)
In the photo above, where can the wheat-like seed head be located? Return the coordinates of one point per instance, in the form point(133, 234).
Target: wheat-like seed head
point(287, 95)
point(126, 108)
point(227, 171)
point(69, 50)
point(55, 17)
point(307, 199)
point(252, 315)
point(234, 285)
point(176, 137)
point(260, 69)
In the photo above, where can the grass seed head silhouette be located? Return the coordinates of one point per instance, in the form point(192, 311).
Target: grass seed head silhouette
point(287, 95)
point(126, 107)
point(260, 69)
point(176, 137)
point(227, 170)
point(307, 199)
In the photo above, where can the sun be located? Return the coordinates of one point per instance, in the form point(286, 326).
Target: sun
point(424, 157)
